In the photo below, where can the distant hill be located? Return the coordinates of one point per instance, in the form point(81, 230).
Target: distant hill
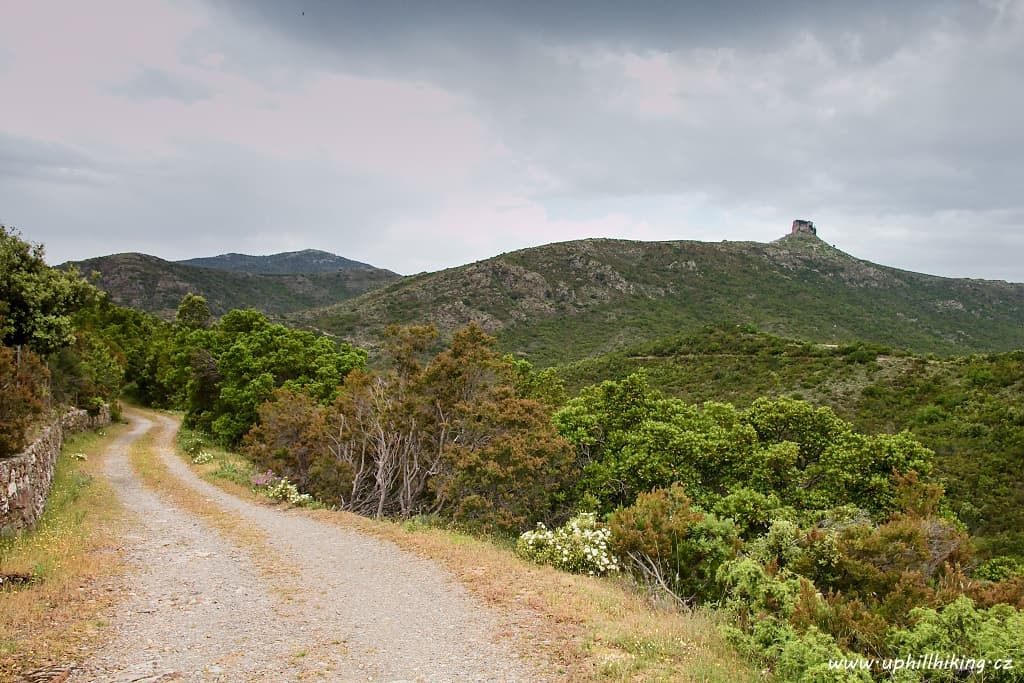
point(307, 261)
point(570, 300)
point(969, 410)
point(151, 284)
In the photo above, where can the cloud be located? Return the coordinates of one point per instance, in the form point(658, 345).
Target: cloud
point(155, 84)
point(422, 135)
point(24, 159)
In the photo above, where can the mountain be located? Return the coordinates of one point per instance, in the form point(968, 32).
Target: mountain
point(306, 261)
point(969, 410)
point(570, 300)
point(151, 284)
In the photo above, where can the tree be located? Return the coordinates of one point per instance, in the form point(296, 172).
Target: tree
point(193, 312)
point(22, 392)
point(36, 301)
point(631, 440)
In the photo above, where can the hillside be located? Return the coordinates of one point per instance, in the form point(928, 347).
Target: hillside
point(151, 284)
point(306, 261)
point(570, 300)
point(969, 410)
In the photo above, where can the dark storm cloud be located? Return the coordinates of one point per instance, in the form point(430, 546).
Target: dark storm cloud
point(421, 135)
point(941, 135)
point(872, 111)
point(643, 24)
point(155, 84)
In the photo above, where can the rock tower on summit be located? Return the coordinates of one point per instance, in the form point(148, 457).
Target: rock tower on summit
point(802, 227)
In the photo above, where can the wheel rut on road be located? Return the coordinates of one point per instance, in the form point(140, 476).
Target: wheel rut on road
point(336, 605)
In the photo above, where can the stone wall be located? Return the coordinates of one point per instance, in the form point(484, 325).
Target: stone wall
point(25, 479)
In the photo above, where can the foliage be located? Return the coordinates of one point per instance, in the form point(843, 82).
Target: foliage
point(36, 302)
point(193, 312)
point(960, 629)
point(669, 544)
point(1000, 569)
point(580, 546)
point(631, 440)
point(969, 411)
point(86, 371)
point(294, 438)
point(450, 435)
point(280, 489)
point(22, 397)
point(231, 369)
point(508, 464)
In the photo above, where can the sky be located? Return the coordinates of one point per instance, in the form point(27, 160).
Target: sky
point(417, 136)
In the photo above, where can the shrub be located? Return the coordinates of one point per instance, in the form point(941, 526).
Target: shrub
point(279, 488)
point(961, 629)
point(293, 437)
point(509, 469)
point(1000, 569)
point(579, 546)
point(669, 544)
point(202, 457)
point(22, 391)
point(191, 442)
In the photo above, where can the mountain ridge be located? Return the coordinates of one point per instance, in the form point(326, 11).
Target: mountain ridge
point(568, 300)
point(565, 301)
point(305, 261)
point(151, 284)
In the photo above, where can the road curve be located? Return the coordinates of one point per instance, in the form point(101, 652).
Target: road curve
point(341, 607)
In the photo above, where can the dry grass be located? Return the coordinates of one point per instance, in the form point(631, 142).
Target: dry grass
point(589, 629)
point(155, 475)
point(73, 553)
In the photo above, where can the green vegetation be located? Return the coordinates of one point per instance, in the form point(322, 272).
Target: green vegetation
point(820, 542)
point(832, 501)
point(969, 411)
point(221, 375)
point(39, 309)
point(564, 302)
point(156, 286)
point(64, 564)
point(466, 435)
point(36, 301)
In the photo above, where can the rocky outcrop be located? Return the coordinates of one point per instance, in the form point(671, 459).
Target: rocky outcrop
point(25, 479)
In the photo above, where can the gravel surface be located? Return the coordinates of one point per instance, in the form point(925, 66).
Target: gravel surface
point(345, 607)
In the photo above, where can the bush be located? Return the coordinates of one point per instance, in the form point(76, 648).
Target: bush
point(579, 546)
point(22, 392)
point(1000, 568)
point(670, 545)
point(960, 629)
point(191, 442)
point(293, 437)
point(279, 488)
point(202, 457)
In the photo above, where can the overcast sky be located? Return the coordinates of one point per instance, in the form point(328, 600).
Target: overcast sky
point(421, 135)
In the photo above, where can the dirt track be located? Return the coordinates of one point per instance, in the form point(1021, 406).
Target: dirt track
point(340, 606)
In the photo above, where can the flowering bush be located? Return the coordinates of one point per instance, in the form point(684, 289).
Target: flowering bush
point(580, 546)
point(191, 442)
point(202, 457)
point(279, 488)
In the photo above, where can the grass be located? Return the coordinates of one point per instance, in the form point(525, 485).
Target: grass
point(590, 629)
point(587, 628)
point(72, 555)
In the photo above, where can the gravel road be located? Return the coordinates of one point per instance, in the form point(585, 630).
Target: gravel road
point(345, 607)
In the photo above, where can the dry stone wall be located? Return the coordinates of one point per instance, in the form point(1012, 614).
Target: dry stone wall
point(25, 479)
